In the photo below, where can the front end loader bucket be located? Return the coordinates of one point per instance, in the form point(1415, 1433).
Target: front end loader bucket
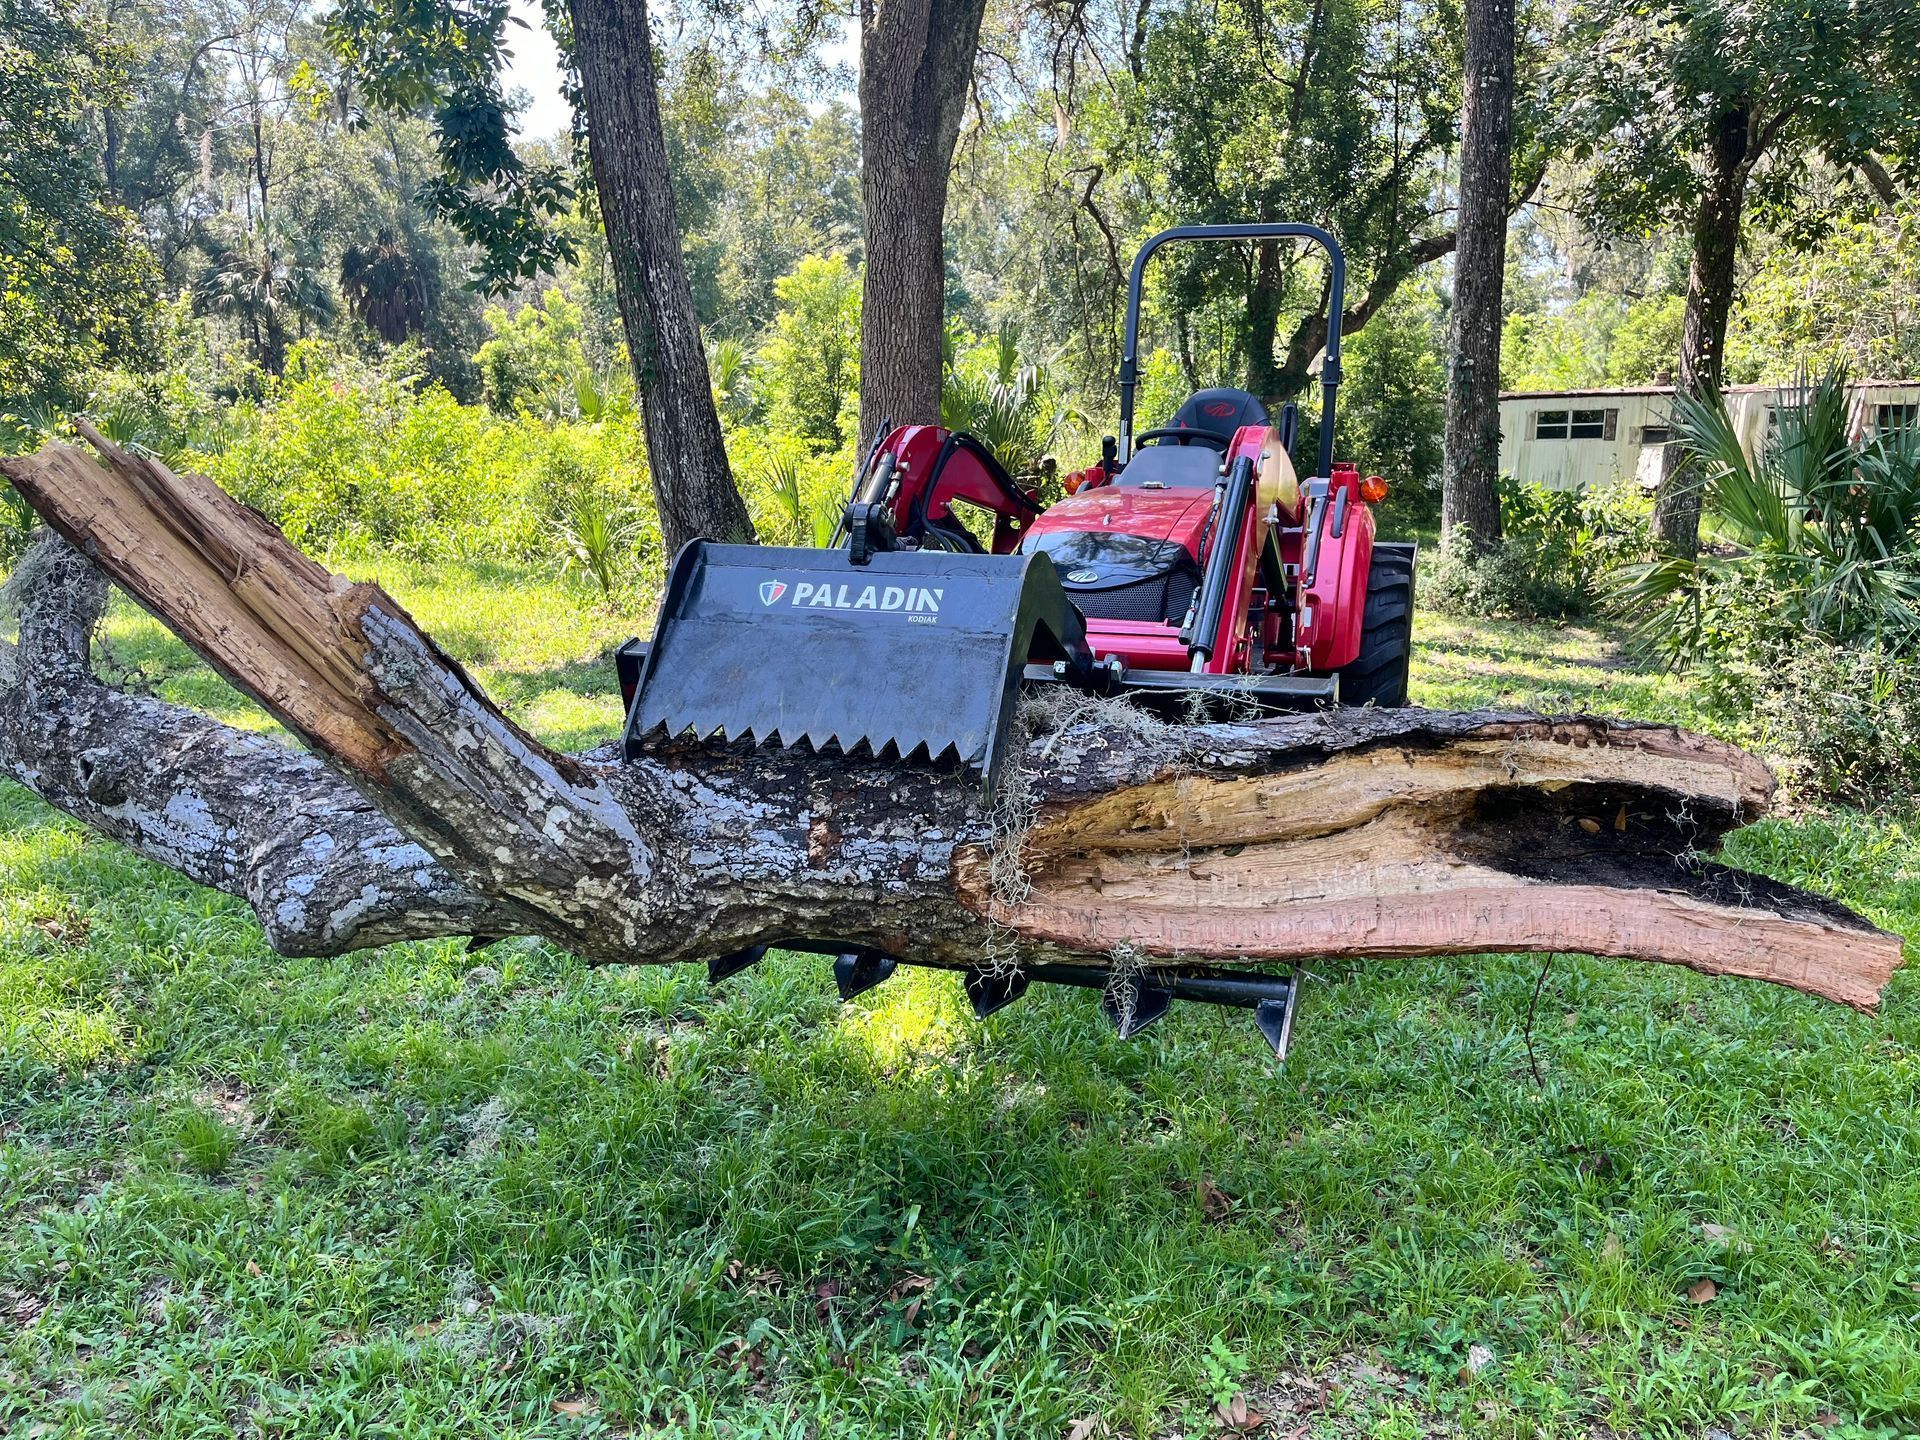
point(915, 654)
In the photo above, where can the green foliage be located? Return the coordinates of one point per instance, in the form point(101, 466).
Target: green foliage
point(1853, 300)
point(1646, 346)
point(1010, 406)
point(74, 282)
point(1803, 624)
point(533, 352)
point(1821, 530)
point(794, 492)
point(781, 479)
point(599, 541)
point(205, 1142)
point(731, 368)
point(1644, 87)
point(447, 58)
point(811, 363)
point(1558, 550)
point(345, 456)
point(1393, 405)
point(1558, 349)
point(1339, 146)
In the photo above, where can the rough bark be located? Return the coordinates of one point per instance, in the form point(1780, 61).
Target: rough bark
point(693, 485)
point(1469, 499)
point(916, 63)
point(1703, 332)
point(427, 812)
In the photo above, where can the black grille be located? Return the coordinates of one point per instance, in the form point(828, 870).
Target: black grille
point(1163, 599)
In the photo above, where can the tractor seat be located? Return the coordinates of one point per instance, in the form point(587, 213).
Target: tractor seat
point(1219, 411)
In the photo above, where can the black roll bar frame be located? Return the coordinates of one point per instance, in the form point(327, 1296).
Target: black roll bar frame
point(1272, 230)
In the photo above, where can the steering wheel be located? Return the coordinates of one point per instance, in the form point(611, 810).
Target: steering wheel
point(1182, 434)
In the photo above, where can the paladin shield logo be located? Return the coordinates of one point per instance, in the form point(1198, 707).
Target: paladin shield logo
point(772, 590)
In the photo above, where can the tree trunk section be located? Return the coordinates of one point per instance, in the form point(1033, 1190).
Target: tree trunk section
point(1703, 331)
point(916, 63)
point(1470, 501)
point(693, 485)
point(1117, 841)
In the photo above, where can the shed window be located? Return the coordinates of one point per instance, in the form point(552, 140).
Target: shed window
point(1575, 424)
point(1655, 434)
point(1888, 418)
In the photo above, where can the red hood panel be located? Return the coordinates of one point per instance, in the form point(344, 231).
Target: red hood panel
point(1176, 515)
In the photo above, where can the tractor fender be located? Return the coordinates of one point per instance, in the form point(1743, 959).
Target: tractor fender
point(1334, 601)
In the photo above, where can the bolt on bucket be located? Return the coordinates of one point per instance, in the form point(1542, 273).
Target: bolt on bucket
point(916, 654)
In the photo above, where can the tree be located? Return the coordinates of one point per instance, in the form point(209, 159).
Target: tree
point(1683, 105)
point(916, 62)
point(813, 357)
point(620, 104)
point(76, 283)
point(1853, 300)
point(1468, 498)
point(1341, 112)
point(444, 56)
point(421, 810)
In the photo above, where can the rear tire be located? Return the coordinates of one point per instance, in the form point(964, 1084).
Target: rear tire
point(1378, 674)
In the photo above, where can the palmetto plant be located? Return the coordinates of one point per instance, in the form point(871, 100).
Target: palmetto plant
point(781, 476)
point(598, 541)
point(1017, 420)
point(1822, 523)
point(731, 371)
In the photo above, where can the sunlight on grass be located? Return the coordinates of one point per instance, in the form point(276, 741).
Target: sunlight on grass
point(58, 1036)
point(1461, 664)
point(916, 1020)
point(436, 1191)
point(541, 647)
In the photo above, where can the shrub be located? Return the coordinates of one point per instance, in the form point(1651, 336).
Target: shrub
point(1803, 624)
point(1010, 407)
point(535, 350)
point(1842, 720)
point(344, 456)
point(1558, 550)
point(811, 365)
point(1819, 529)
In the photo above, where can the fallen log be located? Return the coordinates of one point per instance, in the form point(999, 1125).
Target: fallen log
point(422, 810)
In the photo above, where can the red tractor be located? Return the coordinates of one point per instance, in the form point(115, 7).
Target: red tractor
point(1188, 566)
point(1189, 562)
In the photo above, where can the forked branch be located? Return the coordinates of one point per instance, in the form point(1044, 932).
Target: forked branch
point(428, 812)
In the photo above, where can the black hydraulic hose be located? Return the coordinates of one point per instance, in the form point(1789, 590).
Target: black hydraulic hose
point(1218, 576)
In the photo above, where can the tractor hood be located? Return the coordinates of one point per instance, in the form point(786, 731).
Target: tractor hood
point(1121, 533)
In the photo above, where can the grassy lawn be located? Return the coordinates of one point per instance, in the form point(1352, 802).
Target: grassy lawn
point(425, 1192)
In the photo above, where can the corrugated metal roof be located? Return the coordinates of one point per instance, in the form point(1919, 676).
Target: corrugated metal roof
point(1625, 390)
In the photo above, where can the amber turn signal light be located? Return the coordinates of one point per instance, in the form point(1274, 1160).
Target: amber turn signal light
point(1373, 489)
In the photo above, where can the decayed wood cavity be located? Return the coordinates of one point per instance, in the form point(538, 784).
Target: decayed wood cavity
point(1552, 836)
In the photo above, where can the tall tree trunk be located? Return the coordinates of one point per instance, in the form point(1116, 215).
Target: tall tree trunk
point(686, 454)
point(423, 811)
point(1703, 332)
point(916, 63)
point(1469, 499)
point(1262, 317)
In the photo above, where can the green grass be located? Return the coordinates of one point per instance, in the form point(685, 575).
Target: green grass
point(426, 1192)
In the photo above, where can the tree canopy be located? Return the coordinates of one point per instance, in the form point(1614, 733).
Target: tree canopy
point(75, 283)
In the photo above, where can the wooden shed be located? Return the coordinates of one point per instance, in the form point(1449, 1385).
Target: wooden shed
point(1572, 439)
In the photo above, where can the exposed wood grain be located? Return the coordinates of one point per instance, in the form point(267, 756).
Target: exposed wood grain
point(426, 812)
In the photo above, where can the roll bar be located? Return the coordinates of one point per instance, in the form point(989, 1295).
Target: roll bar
point(1277, 230)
